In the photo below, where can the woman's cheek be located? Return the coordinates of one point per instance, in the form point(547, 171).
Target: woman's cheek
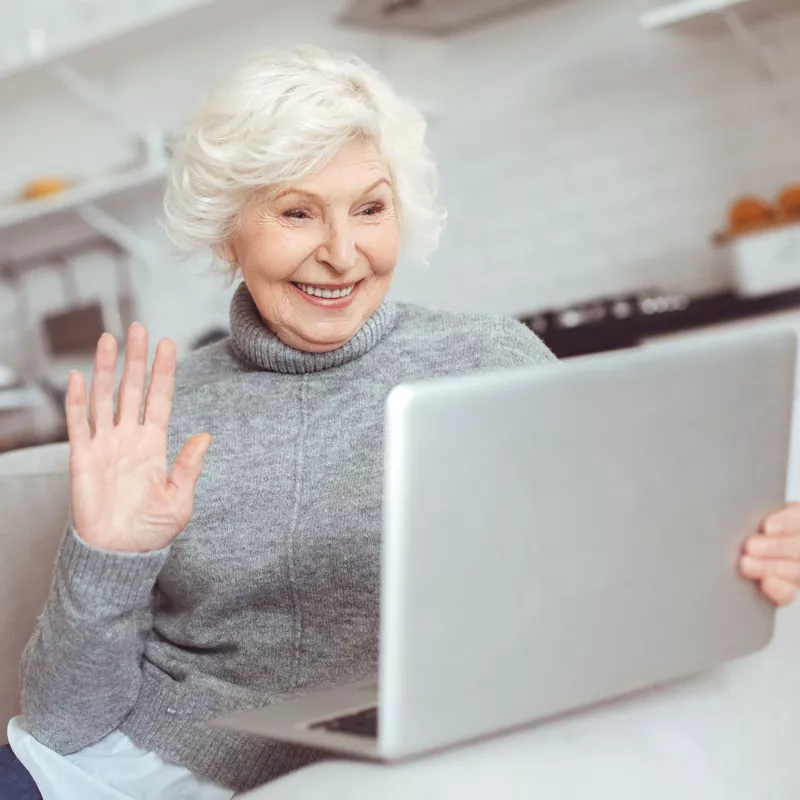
point(291, 249)
point(385, 248)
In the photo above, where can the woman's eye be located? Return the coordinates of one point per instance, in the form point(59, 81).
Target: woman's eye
point(371, 211)
point(296, 213)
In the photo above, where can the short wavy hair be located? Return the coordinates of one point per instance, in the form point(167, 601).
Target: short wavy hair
point(281, 115)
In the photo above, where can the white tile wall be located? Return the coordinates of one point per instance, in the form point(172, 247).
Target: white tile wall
point(579, 155)
point(595, 157)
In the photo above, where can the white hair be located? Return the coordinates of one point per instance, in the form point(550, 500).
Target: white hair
point(281, 115)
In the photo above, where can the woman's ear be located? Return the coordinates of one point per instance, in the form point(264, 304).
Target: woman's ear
point(228, 252)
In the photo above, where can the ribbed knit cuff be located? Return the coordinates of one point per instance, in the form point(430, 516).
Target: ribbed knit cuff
point(106, 579)
point(165, 721)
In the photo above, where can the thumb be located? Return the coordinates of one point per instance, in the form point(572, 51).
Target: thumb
point(189, 462)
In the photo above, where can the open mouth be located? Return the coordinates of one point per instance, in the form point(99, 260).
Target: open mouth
point(327, 292)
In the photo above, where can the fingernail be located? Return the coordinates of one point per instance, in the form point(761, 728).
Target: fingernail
point(753, 543)
point(773, 526)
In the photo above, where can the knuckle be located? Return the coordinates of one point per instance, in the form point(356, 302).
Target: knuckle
point(778, 590)
point(787, 595)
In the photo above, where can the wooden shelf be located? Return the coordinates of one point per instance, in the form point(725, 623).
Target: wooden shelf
point(701, 15)
point(81, 194)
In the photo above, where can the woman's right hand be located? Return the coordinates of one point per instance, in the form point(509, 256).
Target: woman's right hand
point(123, 496)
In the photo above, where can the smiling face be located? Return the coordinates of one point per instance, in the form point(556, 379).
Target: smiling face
point(318, 253)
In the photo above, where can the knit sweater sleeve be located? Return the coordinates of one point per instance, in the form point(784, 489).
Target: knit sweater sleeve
point(81, 670)
point(508, 343)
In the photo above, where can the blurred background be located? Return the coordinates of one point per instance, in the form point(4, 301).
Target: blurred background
point(617, 171)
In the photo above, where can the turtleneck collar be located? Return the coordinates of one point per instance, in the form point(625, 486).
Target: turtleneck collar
point(261, 348)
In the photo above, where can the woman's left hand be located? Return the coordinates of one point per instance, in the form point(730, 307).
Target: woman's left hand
point(772, 557)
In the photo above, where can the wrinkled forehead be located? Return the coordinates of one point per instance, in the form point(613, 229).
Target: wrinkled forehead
point(355, 170)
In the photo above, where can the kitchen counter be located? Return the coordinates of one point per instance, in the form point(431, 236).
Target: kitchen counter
point(593, 327)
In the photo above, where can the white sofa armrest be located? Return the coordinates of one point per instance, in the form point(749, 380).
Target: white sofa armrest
point(34, 510)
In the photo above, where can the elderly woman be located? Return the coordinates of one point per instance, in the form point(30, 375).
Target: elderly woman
point(249, 573)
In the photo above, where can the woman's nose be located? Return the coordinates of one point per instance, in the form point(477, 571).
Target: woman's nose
point(340, 249)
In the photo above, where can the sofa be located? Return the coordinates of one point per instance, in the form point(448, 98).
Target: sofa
point(34, 509)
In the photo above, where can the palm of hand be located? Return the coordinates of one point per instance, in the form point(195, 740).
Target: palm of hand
point(121, 484)
point(123, 497)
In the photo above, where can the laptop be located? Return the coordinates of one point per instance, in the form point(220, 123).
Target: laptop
point(559, 536)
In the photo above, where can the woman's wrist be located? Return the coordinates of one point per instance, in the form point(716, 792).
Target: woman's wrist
point(100, 580)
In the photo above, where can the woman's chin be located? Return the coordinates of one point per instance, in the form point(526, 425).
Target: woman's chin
point(324, 338)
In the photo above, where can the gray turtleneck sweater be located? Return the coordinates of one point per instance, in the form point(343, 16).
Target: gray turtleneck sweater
point(272, 589)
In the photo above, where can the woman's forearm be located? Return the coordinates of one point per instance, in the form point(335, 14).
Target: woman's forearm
point(81, 670)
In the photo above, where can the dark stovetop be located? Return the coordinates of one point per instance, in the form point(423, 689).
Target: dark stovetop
point(595, 327)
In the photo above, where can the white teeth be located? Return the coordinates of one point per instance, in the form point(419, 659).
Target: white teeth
point(332, 294)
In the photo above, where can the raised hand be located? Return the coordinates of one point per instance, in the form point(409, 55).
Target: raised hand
point(123, 495)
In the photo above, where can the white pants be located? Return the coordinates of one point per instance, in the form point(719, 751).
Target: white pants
point(112, 769)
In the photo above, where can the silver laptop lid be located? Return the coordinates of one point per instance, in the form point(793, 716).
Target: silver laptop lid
point(561, 535)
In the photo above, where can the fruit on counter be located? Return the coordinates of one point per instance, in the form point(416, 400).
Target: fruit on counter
point(44, 187)
point(789, 203)
point(748, 214)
